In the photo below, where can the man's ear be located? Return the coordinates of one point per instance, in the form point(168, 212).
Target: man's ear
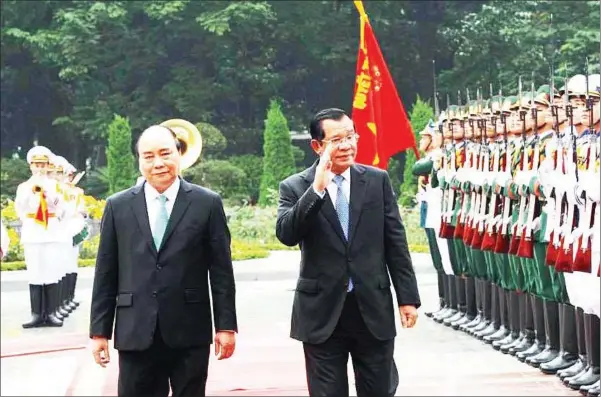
point(316, 146)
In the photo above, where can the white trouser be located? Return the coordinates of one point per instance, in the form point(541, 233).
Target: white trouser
point(44, 262)
point(433, 217)
point(584, 288)
point(73, 264)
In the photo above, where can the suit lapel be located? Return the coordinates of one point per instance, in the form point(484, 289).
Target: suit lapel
point(358, 190)
point(141, 213)
point(182, 202)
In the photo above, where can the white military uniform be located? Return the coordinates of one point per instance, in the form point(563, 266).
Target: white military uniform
point(41, 238)
point(583, 288)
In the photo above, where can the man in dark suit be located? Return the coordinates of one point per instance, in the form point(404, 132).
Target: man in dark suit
point(346, 220)
point(160, 241)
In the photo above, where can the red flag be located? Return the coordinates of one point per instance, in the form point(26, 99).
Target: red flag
point(378, 112)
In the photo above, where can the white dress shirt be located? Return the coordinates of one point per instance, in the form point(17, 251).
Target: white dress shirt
point(153, 204)
point(332, 188)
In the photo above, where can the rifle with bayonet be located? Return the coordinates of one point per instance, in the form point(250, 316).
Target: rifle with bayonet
point(483, 170)
point(526, 248)
point(502, 242)
point(517, 227)
point(583, 235)
point(489, 239)
point(565, 255)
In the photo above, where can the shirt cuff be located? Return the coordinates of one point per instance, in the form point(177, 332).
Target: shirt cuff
point(320, 194)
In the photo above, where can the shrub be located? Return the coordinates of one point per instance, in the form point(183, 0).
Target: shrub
point(9, 212)
point(278, 161)
point(15, 249)
point(213, 141)
point(89, 248)
point(120, 160)
point(252, 166)
point(221, 176)
point(13, 172)
point(94, 207)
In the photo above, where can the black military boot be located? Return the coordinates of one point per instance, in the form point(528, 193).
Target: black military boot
point(486, 317)
point(513, 339)
point(452, 301)
point(461, 304)
point(495, 314)
point(582, 361)
point(568, 342)
point(527, 326)
point(478, 307)
point(551, 350)
point(441, 296)
point(504, 327)
point(61, 313)
point(35, 300)
point(51, 298)
point(469, 286)
point(539, 330)
point(591, 375)
point(65, 292)
point(74, 302)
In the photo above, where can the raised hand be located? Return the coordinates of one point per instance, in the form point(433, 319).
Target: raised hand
point(323, 175)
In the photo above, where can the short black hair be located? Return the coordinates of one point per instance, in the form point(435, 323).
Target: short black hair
point(179, 145)
point(315, 128)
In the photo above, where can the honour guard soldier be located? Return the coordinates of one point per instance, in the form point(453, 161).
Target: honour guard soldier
point(38, 206)
point(583, 283)
point(79, 230)
point(451, 208)
point(444, 175)
point(430, 143)
point(4, 240)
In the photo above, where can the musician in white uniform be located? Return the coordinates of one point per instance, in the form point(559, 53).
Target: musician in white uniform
point(38, 206)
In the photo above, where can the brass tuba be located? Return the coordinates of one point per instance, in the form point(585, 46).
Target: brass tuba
point(190, 140)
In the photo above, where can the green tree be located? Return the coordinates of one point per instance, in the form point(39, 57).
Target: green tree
point(420, 114)
point(121, 170)
point(278, 160)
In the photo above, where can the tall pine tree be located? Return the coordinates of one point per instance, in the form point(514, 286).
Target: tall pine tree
point(121, 162)
point(278, 160)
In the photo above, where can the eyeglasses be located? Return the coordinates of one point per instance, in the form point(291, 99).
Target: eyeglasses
point(336, 142)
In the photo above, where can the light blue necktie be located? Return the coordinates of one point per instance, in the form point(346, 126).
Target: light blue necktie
point(342, 208)
point(160, 224)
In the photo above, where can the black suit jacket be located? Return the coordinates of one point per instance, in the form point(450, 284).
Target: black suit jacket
point(375, 253)
point(142, 286)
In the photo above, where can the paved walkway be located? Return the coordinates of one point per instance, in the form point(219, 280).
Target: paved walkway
point(432, 359)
